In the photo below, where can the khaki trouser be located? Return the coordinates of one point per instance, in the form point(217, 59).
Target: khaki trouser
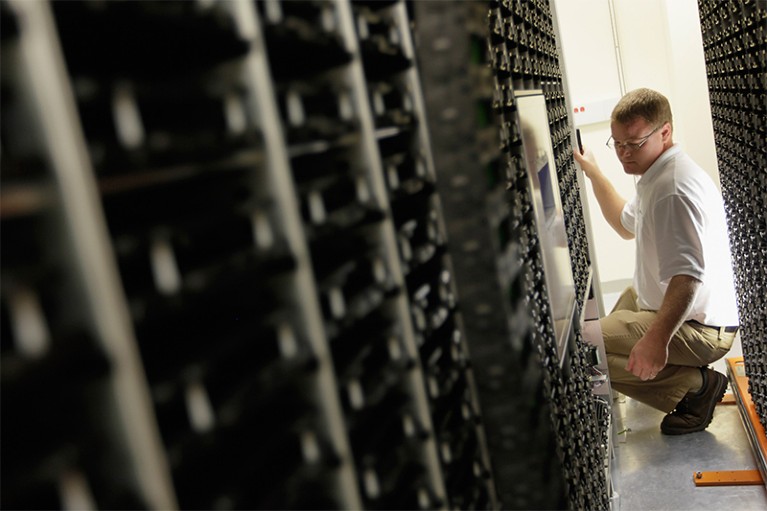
point(692, 346)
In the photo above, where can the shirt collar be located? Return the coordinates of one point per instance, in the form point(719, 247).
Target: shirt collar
point(655, 169)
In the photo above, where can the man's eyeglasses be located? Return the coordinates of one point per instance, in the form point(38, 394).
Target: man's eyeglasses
point(631, 146)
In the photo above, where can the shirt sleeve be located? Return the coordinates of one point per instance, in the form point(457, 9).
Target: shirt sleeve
point(678, 238)
point(628, 215)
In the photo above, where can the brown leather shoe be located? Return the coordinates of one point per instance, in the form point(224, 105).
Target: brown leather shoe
point(694, 412)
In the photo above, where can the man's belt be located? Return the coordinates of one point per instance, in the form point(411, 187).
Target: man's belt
point(727, 329)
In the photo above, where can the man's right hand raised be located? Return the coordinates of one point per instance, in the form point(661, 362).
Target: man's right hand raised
point(587, 161)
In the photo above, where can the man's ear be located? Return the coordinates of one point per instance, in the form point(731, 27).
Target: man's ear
point(666, 131)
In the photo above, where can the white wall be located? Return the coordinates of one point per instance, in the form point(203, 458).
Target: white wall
point(592, 73)
point(644, 44)
point(659, 45)
point(662, 48)
point(692, 107)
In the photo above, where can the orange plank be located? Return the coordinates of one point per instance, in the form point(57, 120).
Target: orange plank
point(727, 478)
point(729, 399)
point(737, 368)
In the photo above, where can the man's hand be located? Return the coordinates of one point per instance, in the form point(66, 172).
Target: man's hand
point(648, 357)
point(650, 354)
point(588, 162)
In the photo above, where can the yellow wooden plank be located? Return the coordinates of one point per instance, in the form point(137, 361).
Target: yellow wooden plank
point(727, 478)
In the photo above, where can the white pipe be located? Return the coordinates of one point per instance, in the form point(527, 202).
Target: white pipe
point(617, 47)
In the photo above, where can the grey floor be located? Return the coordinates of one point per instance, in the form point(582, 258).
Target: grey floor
point(654, 472)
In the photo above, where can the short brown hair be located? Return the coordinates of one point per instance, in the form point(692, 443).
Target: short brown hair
point(650, 105)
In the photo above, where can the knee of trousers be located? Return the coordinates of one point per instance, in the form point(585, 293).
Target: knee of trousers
point(619, 343)
point(622, 329)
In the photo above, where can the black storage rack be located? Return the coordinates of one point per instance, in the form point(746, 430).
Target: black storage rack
point(234, 282)
point(735, 49)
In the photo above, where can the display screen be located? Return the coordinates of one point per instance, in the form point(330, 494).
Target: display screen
point(547, 192)
point(550, 221)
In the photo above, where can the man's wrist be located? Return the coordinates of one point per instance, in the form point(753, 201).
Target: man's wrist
point(658, 336)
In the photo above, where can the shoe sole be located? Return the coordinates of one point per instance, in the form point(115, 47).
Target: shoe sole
point(722, 382)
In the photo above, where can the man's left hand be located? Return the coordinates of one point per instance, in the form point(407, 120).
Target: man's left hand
point(648, 357)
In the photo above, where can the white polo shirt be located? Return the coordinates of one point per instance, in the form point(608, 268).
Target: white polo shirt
point(679, 222)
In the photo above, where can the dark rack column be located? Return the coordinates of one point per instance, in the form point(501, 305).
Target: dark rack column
point(306, 296)
point(486, 251)
point(735, 48)
point(336, 165)
point(401, 130)
point(499, 272)
point(78, 429)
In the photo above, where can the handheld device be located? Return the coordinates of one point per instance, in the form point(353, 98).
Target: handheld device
point(580, 144)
